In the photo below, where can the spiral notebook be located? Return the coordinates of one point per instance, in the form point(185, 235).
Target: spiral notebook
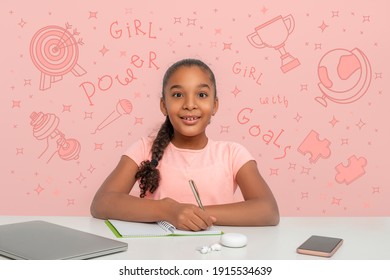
point(123, 229)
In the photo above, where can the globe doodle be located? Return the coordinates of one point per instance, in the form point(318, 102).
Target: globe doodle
point(344, 76)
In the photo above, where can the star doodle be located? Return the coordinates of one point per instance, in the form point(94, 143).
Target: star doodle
point(264, 10)
point(88, 115)
point(71, 201)
point(103, 50)
point(375, 190)
point(98, 146)
point(22, 23)
point(323, 26)
point(378, 76)
point(334, 121)
point(274, 171)
point(191, 21)
point(39, 189)
point(303, 87)
point(227, 46)
point(292, 166)
point(366, 18)
point(336, 201)
point(360, 124)
point(224, 129)
point(66, 108)
point(81, 178)
point(92, 15)
point(213, 44)
point(304, 195)
point(16, 103)
point(139, 120)
point(91, 169)
point(298, 117)
point(236, 91)
point(305, 170)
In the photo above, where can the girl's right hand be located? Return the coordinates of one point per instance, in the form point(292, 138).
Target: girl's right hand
point(187, 216)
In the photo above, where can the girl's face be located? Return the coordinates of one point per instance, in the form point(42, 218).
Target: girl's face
point(189, 101)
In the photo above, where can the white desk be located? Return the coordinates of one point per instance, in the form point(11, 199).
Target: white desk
point(365, 238)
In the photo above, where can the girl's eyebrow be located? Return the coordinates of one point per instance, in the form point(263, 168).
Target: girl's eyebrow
point(180, 87)
point(175, 87)
point(203, 85)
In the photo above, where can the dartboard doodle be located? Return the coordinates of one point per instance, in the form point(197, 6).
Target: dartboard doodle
point(54, 51)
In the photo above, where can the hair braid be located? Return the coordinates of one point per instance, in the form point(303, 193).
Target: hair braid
point(148, 174)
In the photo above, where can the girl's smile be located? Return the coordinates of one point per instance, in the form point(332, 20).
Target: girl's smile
point(190, 120)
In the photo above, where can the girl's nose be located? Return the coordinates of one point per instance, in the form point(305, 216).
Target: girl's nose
point(189, 102)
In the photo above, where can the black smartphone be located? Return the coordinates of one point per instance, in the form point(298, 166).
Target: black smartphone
point(321, 246)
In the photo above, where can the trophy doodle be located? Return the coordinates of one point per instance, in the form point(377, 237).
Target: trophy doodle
point(344, 76)
point(274, 34)
point(54, 51)
point(45, 127)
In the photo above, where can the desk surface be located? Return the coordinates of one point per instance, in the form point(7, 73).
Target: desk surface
point(364, 238)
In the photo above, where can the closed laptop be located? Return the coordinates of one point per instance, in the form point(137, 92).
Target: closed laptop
point(40, 240)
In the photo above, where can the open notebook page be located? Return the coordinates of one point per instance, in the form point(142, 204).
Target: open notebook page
point(136, 229)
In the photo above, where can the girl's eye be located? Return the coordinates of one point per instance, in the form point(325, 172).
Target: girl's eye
point(202, 95)
point(177, 94)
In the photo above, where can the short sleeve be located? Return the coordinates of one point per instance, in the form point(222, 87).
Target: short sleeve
point(139, 150)
point(240, 156)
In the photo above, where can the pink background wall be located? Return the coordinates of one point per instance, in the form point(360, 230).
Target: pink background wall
point(301, 84)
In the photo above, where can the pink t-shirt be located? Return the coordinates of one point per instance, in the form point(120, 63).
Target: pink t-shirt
point(213, 169)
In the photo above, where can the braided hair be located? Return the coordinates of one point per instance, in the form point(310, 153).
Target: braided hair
point(148, 174)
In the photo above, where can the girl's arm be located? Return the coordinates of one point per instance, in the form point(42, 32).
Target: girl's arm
point(112, 201)
point(258, 209)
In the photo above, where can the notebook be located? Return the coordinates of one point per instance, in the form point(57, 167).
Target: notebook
point(40, 240)
point(159, 229)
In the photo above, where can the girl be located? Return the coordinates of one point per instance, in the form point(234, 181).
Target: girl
point(181, 152)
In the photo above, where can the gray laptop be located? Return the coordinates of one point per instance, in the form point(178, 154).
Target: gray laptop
point(39, 240)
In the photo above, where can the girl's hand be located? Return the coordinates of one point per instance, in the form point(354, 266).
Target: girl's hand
point(187, 216)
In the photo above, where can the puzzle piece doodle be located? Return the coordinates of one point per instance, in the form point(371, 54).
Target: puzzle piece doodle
point(317, 148)
point(354, 169)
